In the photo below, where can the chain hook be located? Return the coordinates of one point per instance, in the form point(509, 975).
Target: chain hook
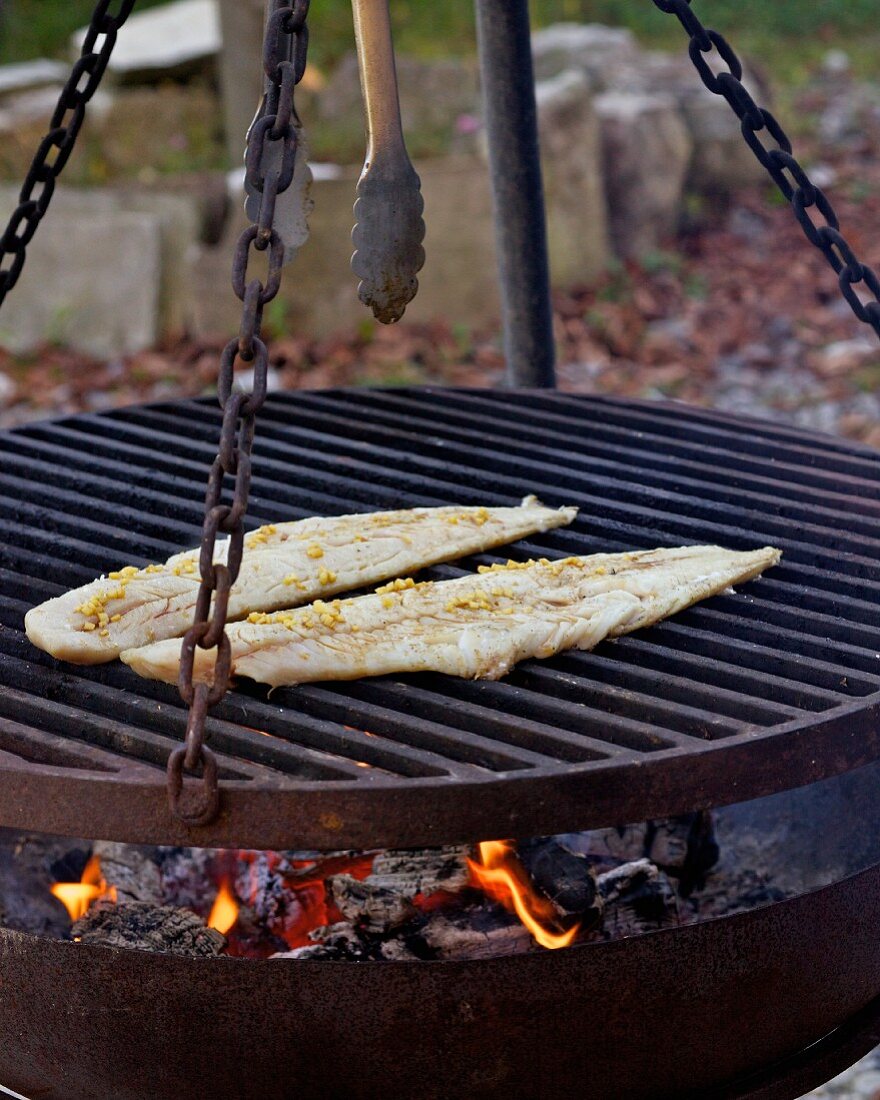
point(284, 59)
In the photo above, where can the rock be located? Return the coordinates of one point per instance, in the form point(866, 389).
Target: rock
point(721, 162)
point(241, 79)
point(26, 109)
point(107, 273)
point(836, 63)
point(845, 356)
point(319, 294)
point(27, 75)
point(8, 389)
point(611, 61)
point(571, 148)
point(173, 40)
point(599, 52)
point(647, 153)
point(107, 308)
point(435, 96)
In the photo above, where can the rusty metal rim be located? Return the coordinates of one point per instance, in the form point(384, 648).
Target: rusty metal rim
point(792, 979)
point(131, 805)
point(818, 1064)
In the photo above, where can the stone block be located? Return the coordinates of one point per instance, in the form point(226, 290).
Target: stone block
point(25, 76)
point(439, 105)
point(319, 291)
point(107, 273)
point(172, 40)
point(599, 52)
point(91, 283)
point(571, 154)
point(647, 151)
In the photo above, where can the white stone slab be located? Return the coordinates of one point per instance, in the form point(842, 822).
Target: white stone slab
point(25, 75)
point(91, 282)
point(165, 38)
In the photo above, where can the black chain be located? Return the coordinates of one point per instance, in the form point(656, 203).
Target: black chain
point(55, 148)
point(284, 58)
point(771, 145)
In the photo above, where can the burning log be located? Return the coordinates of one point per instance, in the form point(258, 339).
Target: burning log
point(146, 927)
point(565, 877)
point(684, 847)
point(341, 942)
point(638, 897)
point(399, 886)
point(27, 867)
point(475, 934)
point(132, 870)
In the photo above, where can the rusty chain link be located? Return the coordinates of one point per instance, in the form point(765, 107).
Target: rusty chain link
point(55, 148)
point(771, 145)
point(284, 60)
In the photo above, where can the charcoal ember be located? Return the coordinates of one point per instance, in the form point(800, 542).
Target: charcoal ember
point(25, 877)
point(285, 900)
point(341, 941)
point(376, 908)
point(475, 933)
point(565, 877)
point(189, 877)
point(683, 846)
point(146, 927)
point(387, 897)
point(734, 890)
point(397, 951)
point(638, 897)
point(425, 871)
point(133, 870)
point(618, 844)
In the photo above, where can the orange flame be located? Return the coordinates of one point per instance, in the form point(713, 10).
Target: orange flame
point(224, 912)
point(77, 897)
point(501, 875)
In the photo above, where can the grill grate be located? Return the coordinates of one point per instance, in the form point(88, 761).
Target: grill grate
point(746, 694)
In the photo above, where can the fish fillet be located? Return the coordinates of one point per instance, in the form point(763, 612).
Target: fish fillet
point(478, 626)
point(284, 565)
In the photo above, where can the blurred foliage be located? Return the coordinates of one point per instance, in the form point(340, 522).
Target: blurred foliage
point(792, 18)
point(30, 28)
point(41, 28)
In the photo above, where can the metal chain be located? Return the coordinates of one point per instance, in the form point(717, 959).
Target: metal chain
point(284, 59)
point(771, 145)
point(55, 148)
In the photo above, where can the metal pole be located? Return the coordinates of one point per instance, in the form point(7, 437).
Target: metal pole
point(504, 39)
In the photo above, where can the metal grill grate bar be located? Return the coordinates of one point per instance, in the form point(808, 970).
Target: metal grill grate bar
point(657, 721)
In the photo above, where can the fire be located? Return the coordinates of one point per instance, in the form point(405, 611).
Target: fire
point(501, 875)
point(77, 897)
point(224, 912)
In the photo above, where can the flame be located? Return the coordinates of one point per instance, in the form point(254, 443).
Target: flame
point(224, 912)
point(77, 897)
point(501, 875)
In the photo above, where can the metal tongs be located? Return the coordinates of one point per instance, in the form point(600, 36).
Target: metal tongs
point(389, 228)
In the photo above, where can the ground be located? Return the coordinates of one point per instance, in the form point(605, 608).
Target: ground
point(739, 314)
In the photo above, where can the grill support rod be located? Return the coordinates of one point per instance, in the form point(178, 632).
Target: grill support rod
point(504, 39)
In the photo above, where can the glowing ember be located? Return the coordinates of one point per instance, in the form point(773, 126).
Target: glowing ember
point(224, 912)
point(503, 878)
point(77, 897)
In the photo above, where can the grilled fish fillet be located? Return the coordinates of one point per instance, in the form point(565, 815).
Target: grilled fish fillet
point(284, 565)
point(477, 626)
